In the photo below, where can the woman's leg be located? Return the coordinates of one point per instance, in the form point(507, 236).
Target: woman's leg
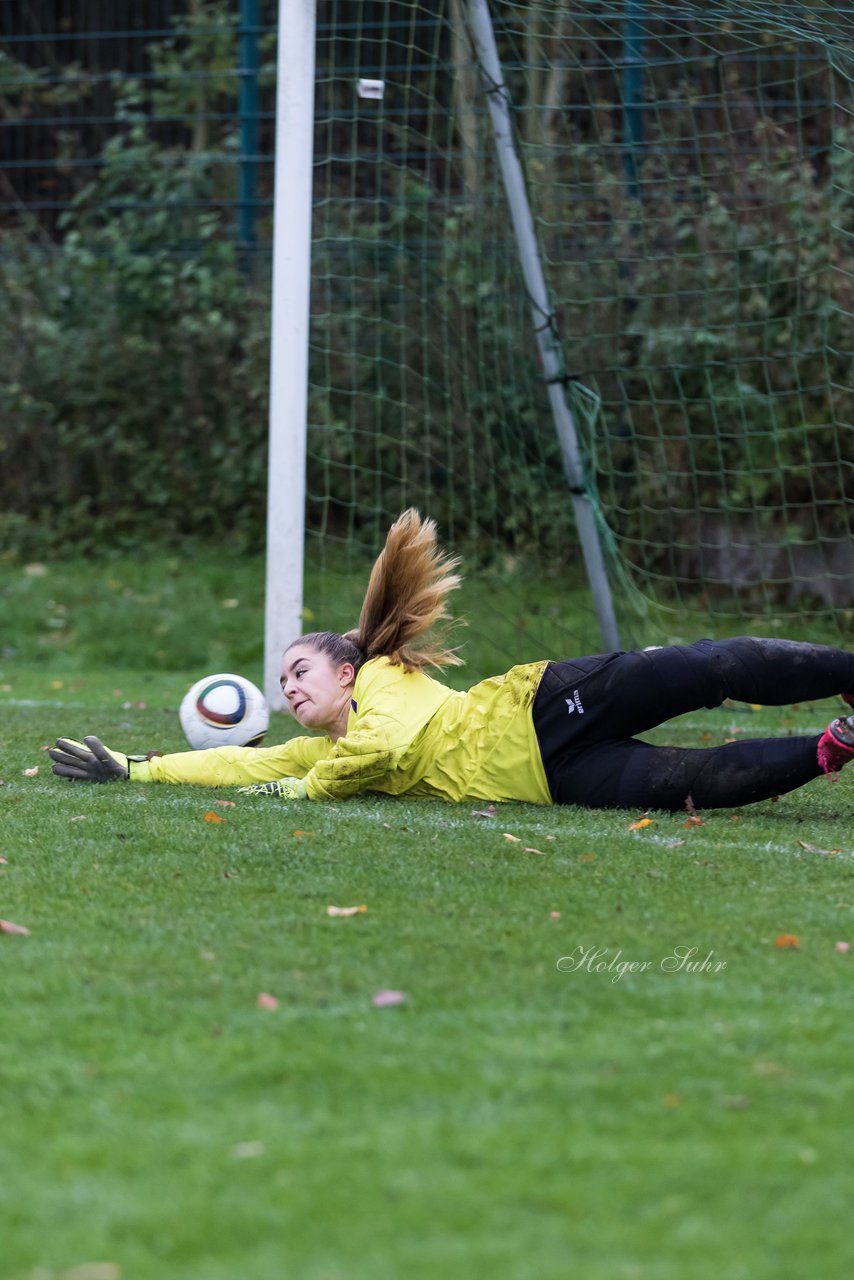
point(628, 693)
point(637, 775)
point(588, 710)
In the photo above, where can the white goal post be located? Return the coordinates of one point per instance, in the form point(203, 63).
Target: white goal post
point(289, 335)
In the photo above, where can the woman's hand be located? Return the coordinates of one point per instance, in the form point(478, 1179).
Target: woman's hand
point(88, 761)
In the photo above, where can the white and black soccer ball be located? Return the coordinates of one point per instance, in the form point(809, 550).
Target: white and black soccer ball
point(224, 711)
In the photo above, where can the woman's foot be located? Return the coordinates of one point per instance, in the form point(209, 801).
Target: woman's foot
point(836, 744)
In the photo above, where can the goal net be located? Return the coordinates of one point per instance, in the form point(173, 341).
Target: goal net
point(690, 171)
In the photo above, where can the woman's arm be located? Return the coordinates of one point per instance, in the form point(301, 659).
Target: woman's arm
point(238, 766)
point(217, 767)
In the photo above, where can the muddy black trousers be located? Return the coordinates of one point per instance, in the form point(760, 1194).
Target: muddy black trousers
point(587, 711)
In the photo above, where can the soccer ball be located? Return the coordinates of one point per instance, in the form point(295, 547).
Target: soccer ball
point(224, 711)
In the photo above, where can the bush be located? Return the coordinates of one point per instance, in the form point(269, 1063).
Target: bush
point(133, 366)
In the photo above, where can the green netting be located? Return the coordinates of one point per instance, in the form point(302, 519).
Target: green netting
point(690, 170)
point(425, 382)
point(699, 248)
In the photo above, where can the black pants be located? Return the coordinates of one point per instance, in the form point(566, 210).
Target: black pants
point(587, 711)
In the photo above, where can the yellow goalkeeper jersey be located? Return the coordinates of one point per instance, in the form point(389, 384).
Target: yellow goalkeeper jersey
point(407, 734)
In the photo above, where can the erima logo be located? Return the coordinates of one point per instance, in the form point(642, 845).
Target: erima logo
point(573, 703)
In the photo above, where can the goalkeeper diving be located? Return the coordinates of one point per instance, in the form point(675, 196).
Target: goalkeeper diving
point(550, 732)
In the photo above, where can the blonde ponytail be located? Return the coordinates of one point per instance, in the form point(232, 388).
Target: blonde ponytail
point(406, 596)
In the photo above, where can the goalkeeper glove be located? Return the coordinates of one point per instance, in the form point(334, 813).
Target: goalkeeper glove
point(90, 761)
point(285, 788)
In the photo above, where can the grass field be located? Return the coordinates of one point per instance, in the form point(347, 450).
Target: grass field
point(606, 1064)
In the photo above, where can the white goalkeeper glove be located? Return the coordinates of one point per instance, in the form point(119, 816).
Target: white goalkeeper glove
point(284, 788)
point(90, 761)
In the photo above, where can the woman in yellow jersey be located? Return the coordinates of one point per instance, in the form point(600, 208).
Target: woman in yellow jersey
point(559, 732)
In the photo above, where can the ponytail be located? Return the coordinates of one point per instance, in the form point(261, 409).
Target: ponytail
point(406, 596)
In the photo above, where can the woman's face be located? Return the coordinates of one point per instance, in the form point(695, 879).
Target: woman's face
point(317, 690)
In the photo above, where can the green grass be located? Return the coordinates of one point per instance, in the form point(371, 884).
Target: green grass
point(509, 1119)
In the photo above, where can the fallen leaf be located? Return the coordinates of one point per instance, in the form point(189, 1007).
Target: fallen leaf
point(539, 852)
point(587, 857)
point(3, 862)
point(385, 998)
point(303, 833)
point(92, 1271)
point(554, 915)
point(641, 822)
point(813, 848)
point(265, 1001)
point(512, 839)
point(671, 1099)
point(210, 816)
point(346, 911)
point(247, 1150)
point(489, 812)
point(31, 773)
point(843, 948)
point(80, 817)
point(693, 817)
point(225, 804)
point(787, 940)
point(6, 926)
